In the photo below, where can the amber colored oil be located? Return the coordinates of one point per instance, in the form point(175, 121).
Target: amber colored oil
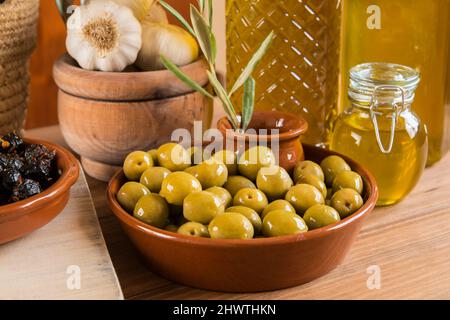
point(299, 73)
point(397, 172)
point(413, 33)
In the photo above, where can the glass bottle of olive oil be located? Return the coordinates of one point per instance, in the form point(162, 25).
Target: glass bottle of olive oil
point(380, 130)
point(299, 73)
point(413, 33)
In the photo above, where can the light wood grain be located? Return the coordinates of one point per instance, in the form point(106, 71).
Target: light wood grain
point(34, 267)
point(410, 242)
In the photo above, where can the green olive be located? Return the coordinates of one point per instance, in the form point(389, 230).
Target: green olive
point(313, 181)
point(236, 183)
point(223, 195)
point(346, 202)
point(177, 186)
point(331, 166)
point(283, 223)
point(229, 159)
point(174, 157)
point(202, 207)
point(231, 225)
point(194, 229)
point(274, 181)
point(319, 216)
point(130, 193)
point(135, 164)
point(153, 210)
point(250, 214)
point(277, 205)
point(251, 198)
point(196, 154)
point(304, 196)
point(153, 177)
point(307, 168)
point(253, 159)
point(154, 154)
point(211, 173)
point(348, 179)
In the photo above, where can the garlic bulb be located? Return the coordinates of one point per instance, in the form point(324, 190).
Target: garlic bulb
point(103, 35)
point(157, 14)
point(164, 39)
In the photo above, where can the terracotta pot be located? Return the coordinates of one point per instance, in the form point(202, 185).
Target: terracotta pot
point(247, 265)
point(290, 128)
point(21, 218)
point(106, 115)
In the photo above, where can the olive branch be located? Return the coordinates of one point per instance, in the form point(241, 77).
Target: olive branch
point(202, 31)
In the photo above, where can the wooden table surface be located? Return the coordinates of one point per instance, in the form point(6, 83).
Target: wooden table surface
point(409, 244)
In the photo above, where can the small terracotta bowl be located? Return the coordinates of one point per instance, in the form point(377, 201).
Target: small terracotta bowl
point(290, 127)
point(21, 218)
point(247, 265)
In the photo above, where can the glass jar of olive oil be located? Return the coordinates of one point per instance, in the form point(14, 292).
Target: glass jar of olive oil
point(380, 130)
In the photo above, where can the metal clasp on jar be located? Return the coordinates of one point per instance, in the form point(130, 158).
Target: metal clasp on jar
point(380, 91)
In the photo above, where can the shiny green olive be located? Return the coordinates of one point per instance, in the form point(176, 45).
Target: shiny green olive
point(174, 157)
point(153, 177)
point(130, 193)
point(194, 229)
point(250, 214)
point(227, 157)
point(196, 154)
point(274, 181)
point(135, 164)
point(154, 154)
point(307, 168)
point(236, 183)
point(278, 205)
point(231, 225)
point(223, 195)
point(153, 210)
point(331, 166)
point(313, 181)
point(253, 159)
point(211, 173)
point(177, 186)
point(348, 179)
point(251, 198)
point(346, 202)
point(283, 223)
point(202, 207)
point(304, 196)
point(320, 215)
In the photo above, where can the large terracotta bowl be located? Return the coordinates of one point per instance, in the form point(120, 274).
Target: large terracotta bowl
point(288, 139)
point(106, 115)
point(247, 265)
point(21, 218)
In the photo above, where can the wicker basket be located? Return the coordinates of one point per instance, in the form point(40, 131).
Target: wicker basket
point(18, 33)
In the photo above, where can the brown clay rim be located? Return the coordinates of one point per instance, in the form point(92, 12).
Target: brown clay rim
point(67, 62)
point(301, 126)
point(369, 205)
point(68, 177)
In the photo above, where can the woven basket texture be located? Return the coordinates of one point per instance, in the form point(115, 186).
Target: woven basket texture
point(18, 35)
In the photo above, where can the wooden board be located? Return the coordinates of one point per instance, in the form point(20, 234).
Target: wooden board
point(40, 265)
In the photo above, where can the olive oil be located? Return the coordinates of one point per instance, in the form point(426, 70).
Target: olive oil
point(299, 73)
point(396, 172)
point(413, 33)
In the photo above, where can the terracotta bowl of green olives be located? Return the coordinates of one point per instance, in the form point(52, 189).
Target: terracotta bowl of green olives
point(233, 225)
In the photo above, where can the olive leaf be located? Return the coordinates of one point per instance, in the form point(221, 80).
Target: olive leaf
point(177, 15)
point(183, 77)
point(210, 12)
point(203, 33)
point(222, 94)
point(248, 102)
point(63, 6)
point(253, 63)
point(201, 5)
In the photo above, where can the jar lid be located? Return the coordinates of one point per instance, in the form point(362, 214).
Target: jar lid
point(386, 82)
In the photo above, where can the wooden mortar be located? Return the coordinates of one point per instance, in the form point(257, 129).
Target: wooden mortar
point(106, 115)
